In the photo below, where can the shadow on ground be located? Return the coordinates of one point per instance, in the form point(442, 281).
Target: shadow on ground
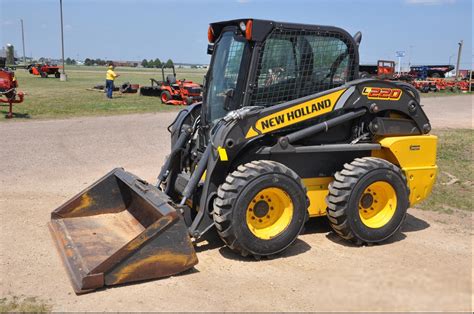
point(212, 241)
point(411, 224)
point(15, 115)
point(320, 225)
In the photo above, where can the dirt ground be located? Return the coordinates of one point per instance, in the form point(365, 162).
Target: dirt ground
point(427, 267)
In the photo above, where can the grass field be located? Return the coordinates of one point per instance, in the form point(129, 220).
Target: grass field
point(51, 98)
point(454, 187)
point(15, 304)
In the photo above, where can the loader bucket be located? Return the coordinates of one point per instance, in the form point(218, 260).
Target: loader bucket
point(120, 229)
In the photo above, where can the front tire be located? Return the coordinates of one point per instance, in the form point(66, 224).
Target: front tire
point(368, 200)
point(260, 209)
point(165, 96)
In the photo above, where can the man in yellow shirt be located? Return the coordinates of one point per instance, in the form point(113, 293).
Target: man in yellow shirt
point(109, 80)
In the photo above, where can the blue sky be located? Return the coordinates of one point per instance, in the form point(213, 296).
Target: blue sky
point(428, 30)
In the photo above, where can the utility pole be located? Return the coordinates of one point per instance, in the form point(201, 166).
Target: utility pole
point(23, 40)
point(63, 75)
point(410, 54)
point(459, 59)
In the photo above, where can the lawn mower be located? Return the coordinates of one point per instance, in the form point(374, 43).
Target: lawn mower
point(172, 91)
point(286, 131)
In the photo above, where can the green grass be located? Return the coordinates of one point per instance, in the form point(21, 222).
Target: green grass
point(455, 147)
point(444, 93)
point(16, 304)
point(51, 98)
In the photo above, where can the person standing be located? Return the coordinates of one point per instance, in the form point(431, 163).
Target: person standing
point(109, 80)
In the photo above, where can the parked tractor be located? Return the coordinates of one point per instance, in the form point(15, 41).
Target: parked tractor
point(43, 70)
point(172, 91)
point(384, 69)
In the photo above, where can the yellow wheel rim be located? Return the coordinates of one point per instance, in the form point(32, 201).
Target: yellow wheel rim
point(269, 213)
point(377, 204)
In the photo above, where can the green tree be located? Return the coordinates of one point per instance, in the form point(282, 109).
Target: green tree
point(145, 63)
point(169, 64)
point(157, 63)
point(88, 62)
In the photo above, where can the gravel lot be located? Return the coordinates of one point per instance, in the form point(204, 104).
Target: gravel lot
point(43, 163)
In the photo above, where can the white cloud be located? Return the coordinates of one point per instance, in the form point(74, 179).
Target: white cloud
point(430, 2)
point(243, 1)
point(7, 22)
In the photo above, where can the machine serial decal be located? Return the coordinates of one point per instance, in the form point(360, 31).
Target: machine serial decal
point(295, 114)
point(382, 93)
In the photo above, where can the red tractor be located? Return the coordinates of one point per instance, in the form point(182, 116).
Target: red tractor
point(173, 91)
point(8, 85)
point(44, 70)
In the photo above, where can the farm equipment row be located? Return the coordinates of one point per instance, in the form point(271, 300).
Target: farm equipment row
point(438, 84)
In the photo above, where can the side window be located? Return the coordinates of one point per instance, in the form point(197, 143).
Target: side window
point(331, 57)
point(277, 71)
point(295, 64)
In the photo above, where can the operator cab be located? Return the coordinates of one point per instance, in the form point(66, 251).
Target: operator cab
point(264, 63)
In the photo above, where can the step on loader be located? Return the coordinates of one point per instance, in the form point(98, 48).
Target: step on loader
point(286, 131)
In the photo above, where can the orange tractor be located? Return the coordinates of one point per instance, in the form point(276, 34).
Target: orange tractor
point(8, 85)
point(43, 70)
point(173, 91)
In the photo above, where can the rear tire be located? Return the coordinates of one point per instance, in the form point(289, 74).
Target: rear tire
point(165, 96)
point(260, 209)
point(368, 200)
point(57, 75)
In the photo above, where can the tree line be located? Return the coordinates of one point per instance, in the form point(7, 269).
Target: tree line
point(157, 63)
point(145, 63)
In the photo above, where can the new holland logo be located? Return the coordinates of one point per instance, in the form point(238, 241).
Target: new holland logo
point(295, 114)
point(382, 93)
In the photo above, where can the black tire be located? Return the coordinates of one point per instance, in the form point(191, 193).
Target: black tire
point(188, 100)
point(364, 74)
point(164, 94)
point(57, 75)
point(43, 74)
point(239, 190)
point(346, 195)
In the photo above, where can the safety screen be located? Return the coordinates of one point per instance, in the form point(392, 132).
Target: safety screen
point(297, 63)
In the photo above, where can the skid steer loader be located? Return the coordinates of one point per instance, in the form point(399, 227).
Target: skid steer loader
point(286, 131)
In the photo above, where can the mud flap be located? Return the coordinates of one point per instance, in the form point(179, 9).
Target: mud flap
point(121, 229)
